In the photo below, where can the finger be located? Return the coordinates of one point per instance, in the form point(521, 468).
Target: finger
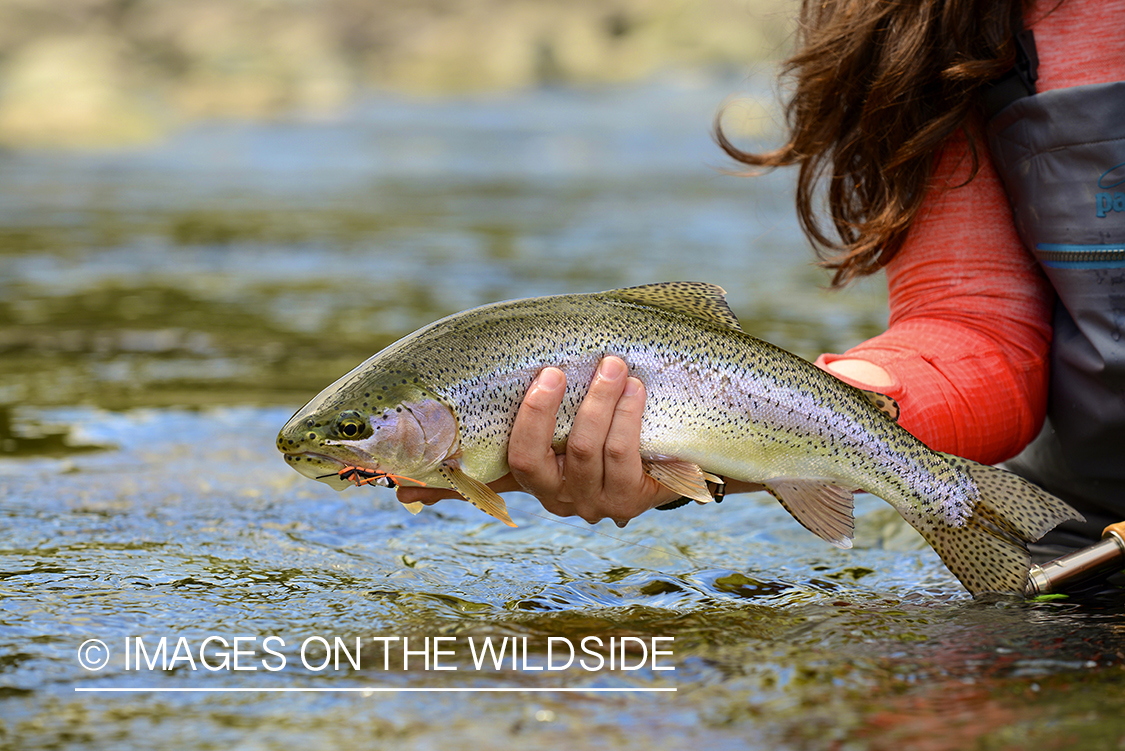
point(622, 454)
point(585, 448)
point(629, 491)
point(530, 455)
point(559, 507)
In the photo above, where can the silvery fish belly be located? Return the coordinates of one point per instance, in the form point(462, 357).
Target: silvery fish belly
point(437, 407)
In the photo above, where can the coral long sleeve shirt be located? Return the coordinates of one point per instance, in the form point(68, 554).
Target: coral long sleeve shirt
point(970, 311)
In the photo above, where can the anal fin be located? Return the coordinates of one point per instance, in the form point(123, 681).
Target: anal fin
point(476, 493)
point(685, 478)
point(821, 507)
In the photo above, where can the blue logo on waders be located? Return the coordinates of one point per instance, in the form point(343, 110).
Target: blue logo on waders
point(1107, 202)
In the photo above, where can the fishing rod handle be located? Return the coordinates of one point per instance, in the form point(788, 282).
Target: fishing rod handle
point(1081, 564)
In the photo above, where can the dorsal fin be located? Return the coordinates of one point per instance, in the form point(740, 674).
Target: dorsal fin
point(883, 403)
point(696, 299)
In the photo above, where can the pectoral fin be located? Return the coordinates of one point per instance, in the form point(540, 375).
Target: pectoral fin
point(685, 478)
point(822, 508)
point(476, 493)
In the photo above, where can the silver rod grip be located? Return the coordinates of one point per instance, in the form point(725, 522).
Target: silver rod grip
point(1056, 575)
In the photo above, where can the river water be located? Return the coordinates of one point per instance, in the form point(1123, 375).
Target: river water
point(164, 309)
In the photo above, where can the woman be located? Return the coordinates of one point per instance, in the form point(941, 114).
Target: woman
point(890, 115)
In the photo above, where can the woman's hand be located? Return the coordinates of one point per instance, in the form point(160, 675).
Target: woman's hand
point(600, 475)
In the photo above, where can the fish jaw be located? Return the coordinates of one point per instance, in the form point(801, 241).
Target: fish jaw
point(315, 466)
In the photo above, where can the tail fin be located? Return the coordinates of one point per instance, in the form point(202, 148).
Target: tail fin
point(989, 553)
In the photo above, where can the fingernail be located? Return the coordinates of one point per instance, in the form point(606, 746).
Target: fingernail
point(621, 523)
point(612, 368)
point(550, 379)
point(632, 387)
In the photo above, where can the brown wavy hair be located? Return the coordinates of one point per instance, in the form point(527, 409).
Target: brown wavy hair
point(880, 85)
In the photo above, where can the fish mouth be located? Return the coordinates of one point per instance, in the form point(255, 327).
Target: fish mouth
point(321, 467)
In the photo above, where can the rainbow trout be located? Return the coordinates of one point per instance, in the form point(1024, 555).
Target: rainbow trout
point(437, 408)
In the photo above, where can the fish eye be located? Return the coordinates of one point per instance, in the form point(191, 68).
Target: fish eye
point(351, 425)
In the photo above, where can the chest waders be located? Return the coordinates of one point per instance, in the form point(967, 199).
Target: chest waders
point(1061, 156)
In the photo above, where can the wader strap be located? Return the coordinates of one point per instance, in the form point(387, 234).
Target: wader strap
point(1019, 81)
